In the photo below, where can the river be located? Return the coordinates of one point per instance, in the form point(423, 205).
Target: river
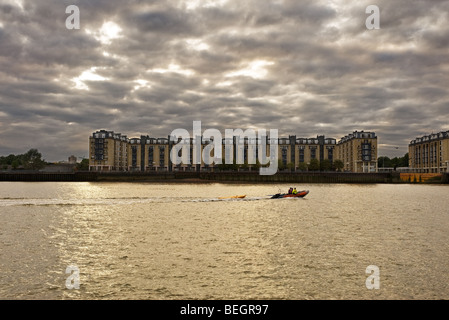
point(171, 241)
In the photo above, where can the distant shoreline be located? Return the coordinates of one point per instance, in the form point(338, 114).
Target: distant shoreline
point(228, 177)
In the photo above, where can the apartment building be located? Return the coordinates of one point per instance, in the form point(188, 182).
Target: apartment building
point(430, 153)
point(109, 151)
point(358, 151)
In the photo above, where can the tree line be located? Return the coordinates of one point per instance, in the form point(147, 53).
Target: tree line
point(31, 160)
point(314, 165)
point(396, 162)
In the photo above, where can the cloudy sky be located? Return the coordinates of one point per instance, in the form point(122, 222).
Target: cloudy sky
point(149, 67)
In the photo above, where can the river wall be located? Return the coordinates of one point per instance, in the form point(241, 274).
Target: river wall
point(237, 177)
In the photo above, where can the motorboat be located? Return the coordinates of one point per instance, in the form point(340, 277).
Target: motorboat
point(299, 194)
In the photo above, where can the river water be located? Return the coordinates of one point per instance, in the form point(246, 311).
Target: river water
point(179, 241)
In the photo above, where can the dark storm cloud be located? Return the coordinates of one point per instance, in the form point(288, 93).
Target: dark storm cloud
point(148, 67)
point(170, 21)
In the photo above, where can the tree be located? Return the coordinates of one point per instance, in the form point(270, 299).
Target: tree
point(9, 159)
point(291, 166)
point(281, 165)
point(15, 164)
point(325, 165)
point(302, 166)
point(314, 165)
point(32, 160)
point(338, 165)
point(228, 167)
point(384, 162)
point(83, 165)
point(405, 160)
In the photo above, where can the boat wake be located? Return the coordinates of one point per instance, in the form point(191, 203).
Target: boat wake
point(228, 199)
point(12, 202)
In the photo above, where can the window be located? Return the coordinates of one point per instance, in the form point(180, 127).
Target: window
point(330, 154)
point(301, 154)
point(134, 156)
point(284, 155)
point(150, 155)
point(366, 151)
point(162, 156)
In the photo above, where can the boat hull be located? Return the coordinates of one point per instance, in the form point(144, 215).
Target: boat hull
point(300, 194)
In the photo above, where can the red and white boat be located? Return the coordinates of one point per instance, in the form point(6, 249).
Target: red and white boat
point(299, 194)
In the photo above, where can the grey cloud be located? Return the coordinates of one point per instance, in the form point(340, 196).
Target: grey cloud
point(330, 75)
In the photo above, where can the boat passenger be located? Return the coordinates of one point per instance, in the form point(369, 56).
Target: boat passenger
point(294, 191)
point(290, 190)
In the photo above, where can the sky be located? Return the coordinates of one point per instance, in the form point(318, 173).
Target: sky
point(135, 67)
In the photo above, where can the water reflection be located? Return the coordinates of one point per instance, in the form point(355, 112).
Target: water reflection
point(177, 241)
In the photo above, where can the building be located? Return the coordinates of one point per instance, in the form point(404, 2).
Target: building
point(72, 160)
point(109, 151)
point(293, 151)
point(148, 154)
point(358, 151)
point(430, 153)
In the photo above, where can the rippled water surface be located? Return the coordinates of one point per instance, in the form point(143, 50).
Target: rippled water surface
point(179, 241)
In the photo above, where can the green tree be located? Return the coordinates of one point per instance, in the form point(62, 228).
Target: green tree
point(15, 164)
point(83, 165)
point(384, 162)
point(32, 160)
point(291, 166)
point(9, 159)
point(302, 166)
point(281, 165)
point(325, 165)
point(338, 165)
point(405, 159)
point(314, 165)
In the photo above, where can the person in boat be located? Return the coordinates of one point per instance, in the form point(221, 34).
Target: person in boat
point(294, 191)
point(290, 190)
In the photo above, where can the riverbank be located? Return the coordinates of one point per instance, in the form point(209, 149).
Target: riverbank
point(235, 177)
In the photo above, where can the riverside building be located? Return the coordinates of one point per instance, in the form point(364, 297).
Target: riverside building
point(358, 151)
point(109, 151)
point(430, 153)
